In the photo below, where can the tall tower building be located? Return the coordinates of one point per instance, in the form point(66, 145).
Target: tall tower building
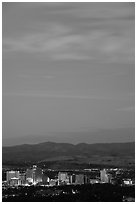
point(37, 174)
point(34, 175)
point(104, 176)
point(29, 175)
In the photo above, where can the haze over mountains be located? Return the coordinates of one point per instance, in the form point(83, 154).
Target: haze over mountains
point(90, 137)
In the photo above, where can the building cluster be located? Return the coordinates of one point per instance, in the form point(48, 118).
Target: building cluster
point(65, 178)
point(107, 177)
point(33, 175)
point(36, 176)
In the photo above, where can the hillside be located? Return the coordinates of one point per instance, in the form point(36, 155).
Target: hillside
point(109, 153)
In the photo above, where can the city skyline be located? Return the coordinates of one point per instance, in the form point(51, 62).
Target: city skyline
point(68, 69)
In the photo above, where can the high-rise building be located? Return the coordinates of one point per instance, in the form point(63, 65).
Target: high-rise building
point(34, 175)
point(79, 179)
point(12, 174)
point(37, 174)
point(29, 175)
point(104, 176)
point(109, 177)
point(72, 179)
point(22, 177)
point(45, 179)
point(63, 178)
point(86, 179)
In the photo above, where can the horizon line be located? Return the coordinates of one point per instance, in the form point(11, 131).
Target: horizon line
point(68, 143)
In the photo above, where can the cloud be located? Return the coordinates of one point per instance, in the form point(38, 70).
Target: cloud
point(102, 32)
point(92, 45)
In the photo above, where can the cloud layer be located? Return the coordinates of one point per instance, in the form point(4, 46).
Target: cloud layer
point(94, 32)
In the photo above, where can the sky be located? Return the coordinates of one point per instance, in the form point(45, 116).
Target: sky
point(68, 72)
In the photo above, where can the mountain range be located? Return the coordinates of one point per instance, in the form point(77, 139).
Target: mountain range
point(109, 153)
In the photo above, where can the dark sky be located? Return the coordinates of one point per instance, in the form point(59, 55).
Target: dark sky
point(68, 68)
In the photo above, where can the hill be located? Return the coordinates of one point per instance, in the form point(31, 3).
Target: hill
point(103, 153)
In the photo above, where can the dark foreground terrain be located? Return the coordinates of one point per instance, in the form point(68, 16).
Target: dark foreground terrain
point(78, 193)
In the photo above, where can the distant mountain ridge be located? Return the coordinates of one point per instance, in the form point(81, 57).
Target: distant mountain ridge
point(90, 137)
point(55, 151)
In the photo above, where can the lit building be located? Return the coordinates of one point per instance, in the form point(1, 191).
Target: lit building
point(127, 182)
point(29, 176)
point(14, 181)
point(12, 174)
point(109, 177)
point(34, 175)
point(22, 177)
point(104, 176)
point(53, 182)
point(63, 178)
point(92, 181)
point(45, 179)
point(37, 174)
point(79, 179)
point(86, 179)
point(72, 179)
